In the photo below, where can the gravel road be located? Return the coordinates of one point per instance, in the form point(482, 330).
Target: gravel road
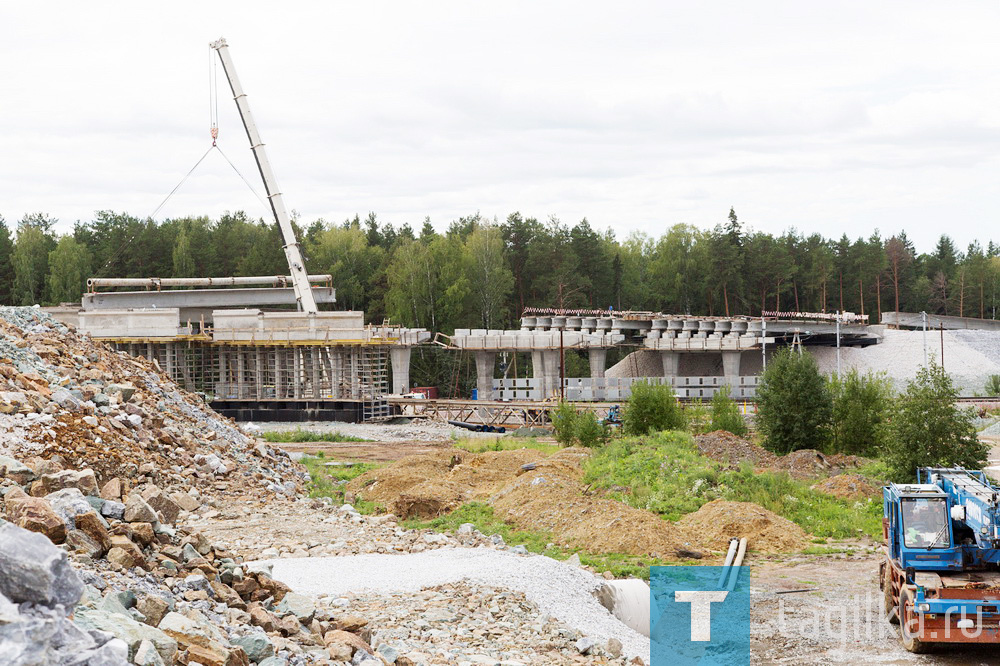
point(560, 590)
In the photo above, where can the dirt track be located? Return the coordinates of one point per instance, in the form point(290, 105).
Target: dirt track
point(838, 623)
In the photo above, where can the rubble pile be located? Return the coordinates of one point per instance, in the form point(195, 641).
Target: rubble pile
point(102, 460)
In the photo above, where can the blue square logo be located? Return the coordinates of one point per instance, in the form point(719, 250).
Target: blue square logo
point(698, 615)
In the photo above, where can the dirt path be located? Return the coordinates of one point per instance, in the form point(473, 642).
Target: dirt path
point(839, 622)
point(377, 452)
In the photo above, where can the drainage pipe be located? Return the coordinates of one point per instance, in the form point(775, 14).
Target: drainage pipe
point(735, 572)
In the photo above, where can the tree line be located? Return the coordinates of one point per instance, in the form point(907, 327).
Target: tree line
point(482, 273)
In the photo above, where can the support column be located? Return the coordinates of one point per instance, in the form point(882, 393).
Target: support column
point(551, 365)
point(598, 360)
point(485, 364)
point(538, 372)
point(400, 359)
point(671, 363)
point(731, 369)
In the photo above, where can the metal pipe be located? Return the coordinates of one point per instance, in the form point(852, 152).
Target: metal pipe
point(157, 283)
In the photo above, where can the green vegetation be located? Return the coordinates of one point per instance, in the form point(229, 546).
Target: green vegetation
point(580, 428)
point(505, 444)
point(329, 480)
point(862, 405)
point(726, 413)
point(993, 385)
point(793, 403)
point(482, 516)
point(652, 408)
point(300, 436)
point(928, 429)
point(665, 474)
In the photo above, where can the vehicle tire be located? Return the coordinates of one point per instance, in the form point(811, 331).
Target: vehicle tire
point(910, 641)
point(889, 610)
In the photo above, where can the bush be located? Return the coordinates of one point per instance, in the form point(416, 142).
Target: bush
point(572, 427)
point(589, 432)
point(929, 430)
point(698, 417)
point(652, 408)
point(564, 423)
point(862, 405)
point(993, 386)
point(793, 404)
point(726, 413)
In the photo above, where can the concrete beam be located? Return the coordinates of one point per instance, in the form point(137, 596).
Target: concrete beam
point(399, 357)
point(200, 298)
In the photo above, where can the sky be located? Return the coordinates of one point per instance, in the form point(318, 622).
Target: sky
point(834, 118)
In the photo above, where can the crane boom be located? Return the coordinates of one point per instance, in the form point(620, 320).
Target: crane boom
point(296, 265)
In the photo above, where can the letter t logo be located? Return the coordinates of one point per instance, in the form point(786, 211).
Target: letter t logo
point(701, 611)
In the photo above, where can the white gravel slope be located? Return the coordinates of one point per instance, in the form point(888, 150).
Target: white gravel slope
point(560, 590)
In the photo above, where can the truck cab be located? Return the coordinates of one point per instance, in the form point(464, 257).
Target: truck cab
point(918, 529)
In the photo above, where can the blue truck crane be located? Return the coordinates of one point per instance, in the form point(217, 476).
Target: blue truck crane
point(940, 577)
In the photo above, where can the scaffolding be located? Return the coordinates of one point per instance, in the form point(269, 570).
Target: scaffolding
point(260, 372)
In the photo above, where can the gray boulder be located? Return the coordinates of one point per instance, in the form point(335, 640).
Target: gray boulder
point(32, 569)
point(128, 630)
point(69, 503)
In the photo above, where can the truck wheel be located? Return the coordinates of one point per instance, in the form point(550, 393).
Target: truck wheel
point(905, 612)
point(888, 602)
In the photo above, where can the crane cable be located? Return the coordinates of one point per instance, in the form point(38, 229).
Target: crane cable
point(213, 117)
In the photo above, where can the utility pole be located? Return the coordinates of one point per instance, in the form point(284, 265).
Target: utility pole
point(838, 345)
point(562, 367)
point(942, 344)
point(923, 316)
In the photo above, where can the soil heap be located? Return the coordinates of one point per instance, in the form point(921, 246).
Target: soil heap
point(718, 521)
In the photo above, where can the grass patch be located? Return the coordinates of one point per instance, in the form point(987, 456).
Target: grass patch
point(480, 445)
point(299, 436)
point(664, 473)
point(329, 481)
point(481, 515)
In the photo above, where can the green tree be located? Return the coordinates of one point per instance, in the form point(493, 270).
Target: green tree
point(345, 254)
point(183, 259)
point(30, 258)
point(862, 405)
point(69, 268)
point(793, 403)
point(489, 277)
point(726, 413)
point(652, 408)
point(929, 430)
point(6, 264)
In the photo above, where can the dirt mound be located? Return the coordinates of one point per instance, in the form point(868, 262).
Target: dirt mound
point(728, 448)
point(848, 486)
point(550, 498)
point(843, 461)
point(804, 464)
point(427, 486)
point(766, 532)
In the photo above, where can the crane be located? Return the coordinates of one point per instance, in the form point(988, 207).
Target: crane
point(296, 265)
point(940, 576)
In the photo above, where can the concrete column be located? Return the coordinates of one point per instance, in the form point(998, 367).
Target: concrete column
point(671, 363)
point(400, 359)
point(731, 369)
point(551, 365)
point(598, 361)
point(485, 364)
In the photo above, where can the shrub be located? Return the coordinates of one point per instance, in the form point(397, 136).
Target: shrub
point(862, 405)
point(726, 413)
point(793, 403)
point(929, 430)
point(652, 408)
point(993, 385)
point(564, 423)
point(588, 431)
point(698, 417)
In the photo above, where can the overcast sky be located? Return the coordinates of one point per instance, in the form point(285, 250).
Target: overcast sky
point(829, 117)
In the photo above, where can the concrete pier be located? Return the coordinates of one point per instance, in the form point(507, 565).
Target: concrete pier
point(598, 362)
point(399, 357)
